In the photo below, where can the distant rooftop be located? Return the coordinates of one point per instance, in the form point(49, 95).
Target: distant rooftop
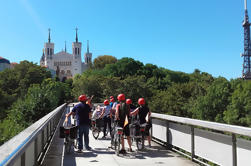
point(3, 60)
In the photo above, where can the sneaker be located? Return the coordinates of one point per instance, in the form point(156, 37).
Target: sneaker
point(122, 151)
point(130, 150)
point(79, 151)
point(88, 148)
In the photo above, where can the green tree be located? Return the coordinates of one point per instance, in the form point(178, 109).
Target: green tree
point(214, 103)
point(239, 110)
point(124, 67)
point(101, 61)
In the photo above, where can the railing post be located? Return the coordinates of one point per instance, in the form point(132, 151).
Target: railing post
point(192, 143)
point(168, 145)
point(23, 159)
point(35, 151)
point(48, 133)
point(42, 140)
point(234, 152)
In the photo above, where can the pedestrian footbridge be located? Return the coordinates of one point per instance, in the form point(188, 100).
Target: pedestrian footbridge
point(177, 141)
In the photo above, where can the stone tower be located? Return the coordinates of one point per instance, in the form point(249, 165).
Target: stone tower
point(76, 51)
point(88, 55)
point(49, 51)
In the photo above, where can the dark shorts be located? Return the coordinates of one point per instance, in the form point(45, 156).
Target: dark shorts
point(126, 130)
point(148, 127)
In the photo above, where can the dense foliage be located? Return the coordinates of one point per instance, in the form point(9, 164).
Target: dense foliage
point(197, 95)
point(27, 94)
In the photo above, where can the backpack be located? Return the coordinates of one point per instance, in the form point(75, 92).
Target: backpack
point(123, 111)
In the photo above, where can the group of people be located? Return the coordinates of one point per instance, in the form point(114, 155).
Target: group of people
point(120, 111)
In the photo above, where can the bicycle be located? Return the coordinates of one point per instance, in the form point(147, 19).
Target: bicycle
point(137, 133)
point(70, 135)
point(118, 135)
point(97, 127)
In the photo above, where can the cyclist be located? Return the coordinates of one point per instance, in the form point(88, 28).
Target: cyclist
point(106, 117)
point(122, 114)
point(144, 117)
point(83, 116)
point(132, 107)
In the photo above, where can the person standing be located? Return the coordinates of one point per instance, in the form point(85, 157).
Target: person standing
point(106, 117)
point(122, 114)
point(144, 117)
point(82, 111)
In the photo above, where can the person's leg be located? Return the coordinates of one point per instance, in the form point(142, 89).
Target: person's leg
point(127, 133)
point(149, 140)
point(86, 135)
point(109, 124)
point(105, 124)
point(80, 137)
point(129, 143)
point(147, 134)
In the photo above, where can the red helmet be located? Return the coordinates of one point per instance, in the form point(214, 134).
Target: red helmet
point(82, 98)
point(111, 97)
point(106, 102)
point(112, 100)
point(128, 101)
point(141, 101)
point(121, 97)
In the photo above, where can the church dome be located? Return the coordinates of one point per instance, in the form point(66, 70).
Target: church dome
point(3, 60)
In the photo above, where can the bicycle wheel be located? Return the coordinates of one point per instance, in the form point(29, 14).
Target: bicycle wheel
point(117, 144)
point(107, 129)
point(68, 146)
point(140, 143)
point(95, 133)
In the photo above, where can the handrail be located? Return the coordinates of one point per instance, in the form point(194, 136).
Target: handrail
point(206, 124)
point(15, 147)
point(191, 135)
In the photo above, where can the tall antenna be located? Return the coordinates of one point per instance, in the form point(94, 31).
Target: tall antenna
point(246, 71)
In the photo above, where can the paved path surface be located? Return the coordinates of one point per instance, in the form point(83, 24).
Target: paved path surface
point(101, 155)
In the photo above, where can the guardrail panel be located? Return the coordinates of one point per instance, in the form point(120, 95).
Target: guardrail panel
point(159, 129)
point(17, 162)
point(29, 155)
point(243, 152)
point(39, 143)
point(180, 136)
point(214, 147)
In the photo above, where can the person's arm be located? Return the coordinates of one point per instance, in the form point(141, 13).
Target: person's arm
point(90, 115)
point(117, 112)
point(148, 116)
point(102, 113)
point(134, 112)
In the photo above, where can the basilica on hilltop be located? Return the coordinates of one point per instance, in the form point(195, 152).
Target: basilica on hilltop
point(64, 64)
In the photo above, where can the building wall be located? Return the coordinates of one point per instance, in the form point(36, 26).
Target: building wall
point(4, 66)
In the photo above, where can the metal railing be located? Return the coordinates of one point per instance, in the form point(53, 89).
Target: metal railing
point(203, 141)
point(28, 147)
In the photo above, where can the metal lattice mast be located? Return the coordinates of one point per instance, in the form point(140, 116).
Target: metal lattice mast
point(246, 71)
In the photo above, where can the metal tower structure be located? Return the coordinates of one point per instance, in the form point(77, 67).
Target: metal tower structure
point(246, 71)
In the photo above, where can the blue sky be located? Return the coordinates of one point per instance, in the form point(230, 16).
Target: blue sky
point(178, 35)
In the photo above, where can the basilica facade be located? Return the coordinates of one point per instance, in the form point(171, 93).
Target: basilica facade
point(64, 64)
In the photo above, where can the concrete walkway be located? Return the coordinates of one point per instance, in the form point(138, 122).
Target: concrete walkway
point(102, 155)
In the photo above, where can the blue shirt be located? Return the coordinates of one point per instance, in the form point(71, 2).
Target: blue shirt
point(82, 111)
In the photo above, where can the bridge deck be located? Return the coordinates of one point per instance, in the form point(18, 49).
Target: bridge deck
point(102, 155)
